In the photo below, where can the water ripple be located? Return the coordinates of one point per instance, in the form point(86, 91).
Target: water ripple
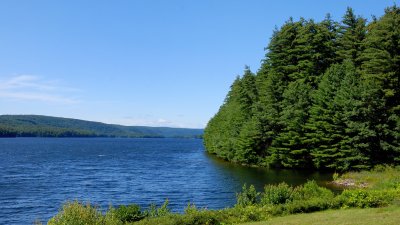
point(40, 174)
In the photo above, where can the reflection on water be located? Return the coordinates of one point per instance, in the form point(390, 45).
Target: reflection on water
point(259, 176)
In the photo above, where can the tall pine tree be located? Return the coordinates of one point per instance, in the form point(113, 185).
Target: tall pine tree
point(352, 32)
point(381, 75)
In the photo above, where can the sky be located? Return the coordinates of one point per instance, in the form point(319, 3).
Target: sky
point(140, 62)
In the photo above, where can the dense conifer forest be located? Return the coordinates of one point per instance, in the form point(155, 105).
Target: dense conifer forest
point(326, 96)
point(47, 126)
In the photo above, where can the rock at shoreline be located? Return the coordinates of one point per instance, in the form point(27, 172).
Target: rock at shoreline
point(350, 183)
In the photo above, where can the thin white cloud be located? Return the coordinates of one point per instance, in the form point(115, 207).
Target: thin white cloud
point(160, 122)
point(34, 88)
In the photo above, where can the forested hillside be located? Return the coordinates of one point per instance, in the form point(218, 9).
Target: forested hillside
point(46, 126)
point(327, 95)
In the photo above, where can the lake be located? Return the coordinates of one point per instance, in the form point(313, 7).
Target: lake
point(38, 175)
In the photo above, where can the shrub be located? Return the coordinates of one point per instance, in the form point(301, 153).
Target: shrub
point(164, 220)
point(335, 176)
point(75, 213)
point(365, 198)
point(277, 194)
point(199, 218)
point(129, 213)
point(237, 215)
point(164, 210)
point(153, 211)
point(252, 213)
point(311, 190)
point(190, 209)
point(248, 196)
point(306, 206)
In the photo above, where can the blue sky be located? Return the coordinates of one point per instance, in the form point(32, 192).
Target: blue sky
point(143, 62)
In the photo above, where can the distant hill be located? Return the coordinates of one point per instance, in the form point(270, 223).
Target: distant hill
point(47, 126)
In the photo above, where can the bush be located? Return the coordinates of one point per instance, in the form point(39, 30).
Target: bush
point(248, 196)
point(129, 213)
point(366, 198)
point(307, 206)
point(153, 211)
point(190, 208)
point(164, 210)
point(277, 194)
point(251, 213)
point(311, 190)
point(74, 213)
point(197, 217)
point(164, 220)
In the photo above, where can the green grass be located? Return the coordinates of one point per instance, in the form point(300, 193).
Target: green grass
point(381, 177)
point(373, 216)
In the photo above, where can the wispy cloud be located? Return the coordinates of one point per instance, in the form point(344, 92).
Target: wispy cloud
point(151, 121)
point(130, 121)
point(35, 88)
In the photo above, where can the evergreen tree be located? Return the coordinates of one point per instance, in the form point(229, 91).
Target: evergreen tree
point(279, 56)
point(381, 75)
point(351, 34)
point(326, 95)
point(314, 49)
point(249, 145)
point(350, 122)
point(321, 129)
point(332, 131)
point(288, 148)
point(222, 131)
point(272, 80)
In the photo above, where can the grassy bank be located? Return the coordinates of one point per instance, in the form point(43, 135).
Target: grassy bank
point(372, 216)
point(380, 188)
point(379, 178)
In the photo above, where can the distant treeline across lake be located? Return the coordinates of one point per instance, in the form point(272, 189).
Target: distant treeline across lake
point(47, 126)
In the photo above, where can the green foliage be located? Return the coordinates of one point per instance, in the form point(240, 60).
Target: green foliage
point(335, 176)
point(129, 213)
point(311, 190)
point(305, 206)
point(379, 178)
point(381, 72)
point(326, 96)
point(154, 211)
point(306, 198)
point(365, 198)
point(75, 213)
point(248, 196)
point(352, 32)
point(275, 195)
point(289, 148)
point(334, 127)
point(164, 210)
point(190, 208)
point(223, 130)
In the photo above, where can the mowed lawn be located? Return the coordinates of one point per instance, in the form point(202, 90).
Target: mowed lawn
point(374, 216)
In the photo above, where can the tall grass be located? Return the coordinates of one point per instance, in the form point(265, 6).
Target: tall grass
point(379, 178)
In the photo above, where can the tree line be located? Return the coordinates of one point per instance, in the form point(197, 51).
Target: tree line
point(326, 96)
point(47, 126)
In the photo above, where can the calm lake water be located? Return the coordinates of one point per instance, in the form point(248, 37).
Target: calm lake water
point(39, 174)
